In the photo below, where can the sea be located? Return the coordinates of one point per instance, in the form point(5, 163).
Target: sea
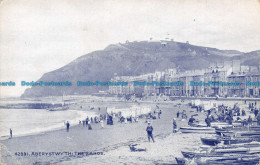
point(35, 121)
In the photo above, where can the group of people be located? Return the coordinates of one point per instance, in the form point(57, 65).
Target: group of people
point(255, 111)
point(183, 114)
point(228, 114)
point(95, 120)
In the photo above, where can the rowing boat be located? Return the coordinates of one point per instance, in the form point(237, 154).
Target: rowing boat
point(207, 130)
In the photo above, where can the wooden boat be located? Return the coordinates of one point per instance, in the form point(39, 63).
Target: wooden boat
point(234, 160)
point(226, 152)
point(250, 133)
point(238, 140)
point(189, 154)
point(210, 141)
point(207, 130)
point(246, 145)
point(240, 150)
point(224, 125)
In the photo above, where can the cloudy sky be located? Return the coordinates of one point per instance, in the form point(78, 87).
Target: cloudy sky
point(38, 36)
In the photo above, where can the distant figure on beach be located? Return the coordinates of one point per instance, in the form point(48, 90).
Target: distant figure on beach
point(229, 119)
point(102, 123)
point(87, 119)
point(174, 124)
point(256, 112)
point(250, 120)
point(11, 133)
point(178, 114)
point(79, 122)
point(149, 131)
point(68, 126)
point(184, 116)
point(258, 119)
point(244, 123)
point(207, 120)
point(159, 114)
point(243, 112)
point(191, 121)
point(89, 127)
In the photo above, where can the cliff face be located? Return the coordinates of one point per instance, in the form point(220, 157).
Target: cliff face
point(133, 58)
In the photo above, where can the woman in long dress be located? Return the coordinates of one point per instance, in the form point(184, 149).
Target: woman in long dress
point(102, 123)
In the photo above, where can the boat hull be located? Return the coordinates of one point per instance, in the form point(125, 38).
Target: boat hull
point(207, 130)
point(210, 141)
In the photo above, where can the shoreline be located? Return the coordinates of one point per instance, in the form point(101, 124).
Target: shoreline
point(82, 115)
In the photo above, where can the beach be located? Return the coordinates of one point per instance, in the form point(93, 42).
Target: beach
point(112, 141)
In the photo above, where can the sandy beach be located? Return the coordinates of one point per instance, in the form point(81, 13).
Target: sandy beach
point(112, 141)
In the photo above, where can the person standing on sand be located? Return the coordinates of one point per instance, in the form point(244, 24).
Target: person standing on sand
point(87, 119)
point(68, 126)
point(258, 119)
point(11, 133)
point(174, 123)
point(207, 120)
point(102, 123)
point(250, 120)
point(149, 131)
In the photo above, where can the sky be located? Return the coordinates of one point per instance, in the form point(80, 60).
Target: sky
point(39, 36)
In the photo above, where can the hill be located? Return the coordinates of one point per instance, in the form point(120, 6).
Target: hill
point(134, 58)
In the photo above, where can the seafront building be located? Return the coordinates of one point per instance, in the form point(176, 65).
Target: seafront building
point(218, 73)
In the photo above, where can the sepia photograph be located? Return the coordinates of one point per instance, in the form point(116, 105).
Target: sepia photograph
point(133, 82)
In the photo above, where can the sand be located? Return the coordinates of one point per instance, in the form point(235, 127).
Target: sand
point(112, 141)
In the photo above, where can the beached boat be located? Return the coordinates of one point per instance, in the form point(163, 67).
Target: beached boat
point(206, 130)
point(225, 125)
point(240, 150)
point(250, 133)
point(227, 160)
point(210, 141)
point(220, 124)
point(238, 140)
point(247, 145)
point(188, 154)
